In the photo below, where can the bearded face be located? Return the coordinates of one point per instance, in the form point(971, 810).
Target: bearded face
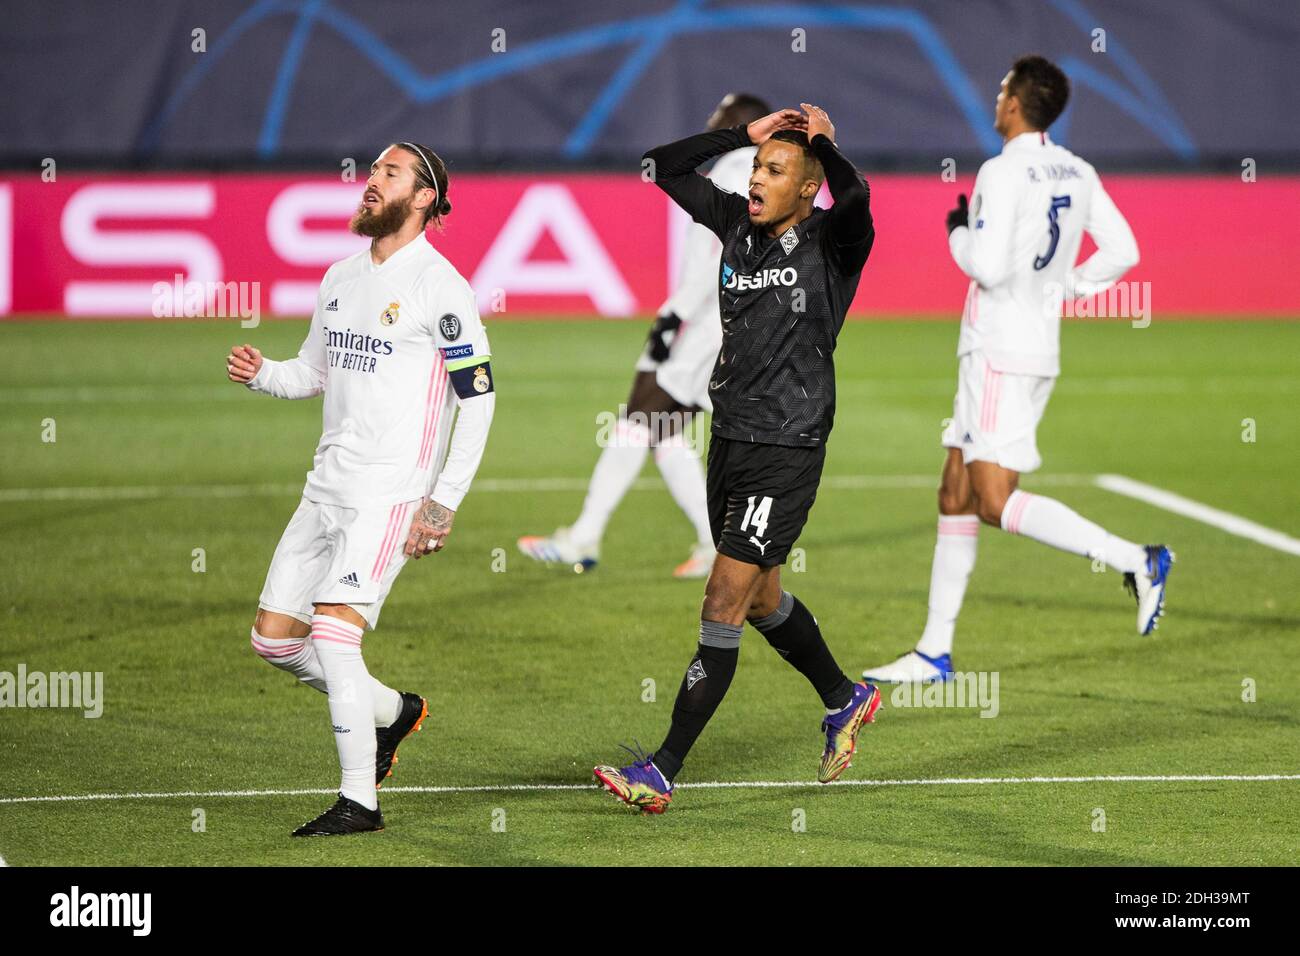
point(376, 217)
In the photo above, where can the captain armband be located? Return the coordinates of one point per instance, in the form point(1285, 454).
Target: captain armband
point(470, 375)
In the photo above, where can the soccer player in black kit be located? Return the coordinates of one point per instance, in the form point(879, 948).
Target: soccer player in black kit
point(787, 276)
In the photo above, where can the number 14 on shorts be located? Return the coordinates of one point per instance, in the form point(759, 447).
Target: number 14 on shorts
point(758, 514)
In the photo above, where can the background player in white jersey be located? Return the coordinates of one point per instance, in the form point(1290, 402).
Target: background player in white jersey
point(1018, 243)
point(397, 348)
point(671, 384)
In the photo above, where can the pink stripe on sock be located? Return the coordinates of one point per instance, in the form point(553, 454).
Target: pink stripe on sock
point(341, 632)
point(1018, 511)
point(266, 650)
point(335, 640)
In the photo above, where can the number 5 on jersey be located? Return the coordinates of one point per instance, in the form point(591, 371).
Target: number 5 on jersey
point(1053, 231)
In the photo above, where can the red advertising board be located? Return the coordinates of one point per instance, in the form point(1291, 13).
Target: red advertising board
point(578, 244)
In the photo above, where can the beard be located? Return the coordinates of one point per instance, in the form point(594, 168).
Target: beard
point(389, 218)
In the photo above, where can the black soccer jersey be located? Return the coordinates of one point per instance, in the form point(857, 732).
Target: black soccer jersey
point(783, 299)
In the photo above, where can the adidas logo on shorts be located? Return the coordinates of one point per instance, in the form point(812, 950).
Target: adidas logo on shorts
point(351, 579)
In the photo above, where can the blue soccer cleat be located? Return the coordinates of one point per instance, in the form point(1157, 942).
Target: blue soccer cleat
point(560, 548)
point(640, 785)
point(1149, 587)
point(912, 668)
point(842, 731)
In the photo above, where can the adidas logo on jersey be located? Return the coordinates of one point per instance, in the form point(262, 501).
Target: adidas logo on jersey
point(351, 580)
point(333, 306)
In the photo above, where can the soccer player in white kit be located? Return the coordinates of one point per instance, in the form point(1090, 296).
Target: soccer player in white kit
point(398, 350)
point(1018, 243)
point(671, 384)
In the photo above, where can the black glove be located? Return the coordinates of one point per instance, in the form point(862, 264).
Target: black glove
point(658, 344)
point(959, 216)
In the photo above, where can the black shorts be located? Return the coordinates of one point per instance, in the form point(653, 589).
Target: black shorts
point(760, 496)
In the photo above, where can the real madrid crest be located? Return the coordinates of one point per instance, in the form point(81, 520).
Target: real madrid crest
point(481, 383)
point(389, 315)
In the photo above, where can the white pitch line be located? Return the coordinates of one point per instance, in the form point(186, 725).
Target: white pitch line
point(1223, 520)
point(710, 785)
point(529, 485)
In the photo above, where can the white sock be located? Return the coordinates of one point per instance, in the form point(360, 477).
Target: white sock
point(617, 468)
point(684, 474)
point(954, 559)
point(297, 655)
point(293, 654)
point(1049, 521)
point(352, 707)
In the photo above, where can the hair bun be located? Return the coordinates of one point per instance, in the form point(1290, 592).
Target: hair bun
point(444, 206)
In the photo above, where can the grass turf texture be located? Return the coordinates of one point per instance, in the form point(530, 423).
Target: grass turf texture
point(534, 675)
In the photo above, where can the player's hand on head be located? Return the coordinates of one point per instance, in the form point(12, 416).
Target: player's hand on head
point(429, 529)
point(817, 121)
point(243, 363)
point(959, 215)
point(761, 129)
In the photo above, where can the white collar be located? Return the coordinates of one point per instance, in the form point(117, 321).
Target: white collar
point(1030, 138)
point(402, 253)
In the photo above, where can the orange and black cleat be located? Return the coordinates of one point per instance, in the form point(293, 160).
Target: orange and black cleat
point(414, 709)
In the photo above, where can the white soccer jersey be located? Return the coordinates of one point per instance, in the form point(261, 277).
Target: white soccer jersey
point(395, 348)
point(1030, 209)
point(695, 297)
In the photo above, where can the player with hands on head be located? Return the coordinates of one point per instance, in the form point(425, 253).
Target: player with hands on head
point(788, 273)
point(671, 386)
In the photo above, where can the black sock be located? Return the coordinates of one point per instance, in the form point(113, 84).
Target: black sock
point(793, 631)
point(702, 690)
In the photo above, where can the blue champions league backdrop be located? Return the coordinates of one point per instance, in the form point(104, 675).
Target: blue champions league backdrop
point(590, 83)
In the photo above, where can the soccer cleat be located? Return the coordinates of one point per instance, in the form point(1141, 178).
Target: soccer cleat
point(699, 564)
point(913, 668)
point(560, 548)
point(1149, 587)
point(842, 731)
point(640, 785)
point(409, 718)
point(346, 816)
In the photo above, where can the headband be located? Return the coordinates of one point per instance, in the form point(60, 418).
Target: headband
point(432, 178)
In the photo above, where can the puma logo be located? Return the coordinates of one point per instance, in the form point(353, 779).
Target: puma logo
point(762, 545)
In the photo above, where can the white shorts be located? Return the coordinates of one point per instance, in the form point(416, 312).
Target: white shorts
point(329, 554)
point(685, 374)
point(995, 415)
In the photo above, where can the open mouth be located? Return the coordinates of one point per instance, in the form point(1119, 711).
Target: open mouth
point(370, 200)
point(755, 203)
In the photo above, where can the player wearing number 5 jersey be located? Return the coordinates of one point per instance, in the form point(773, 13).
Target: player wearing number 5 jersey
point(1018, 242)
point(787, 275)
point(398, 351)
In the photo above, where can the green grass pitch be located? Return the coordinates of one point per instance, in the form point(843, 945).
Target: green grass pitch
point(534, 675)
